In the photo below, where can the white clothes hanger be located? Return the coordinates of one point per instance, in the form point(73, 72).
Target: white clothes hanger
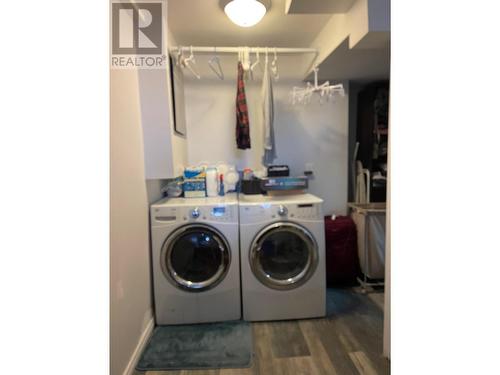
point(179, 58)
point(190, 58)
point(303, 95)
point(274, 66)
point(255, 63)
point(245, 53)
point(190, 62)
point(214, 64)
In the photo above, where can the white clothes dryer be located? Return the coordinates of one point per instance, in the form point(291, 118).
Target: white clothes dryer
point(195, 256)
point(282, 244)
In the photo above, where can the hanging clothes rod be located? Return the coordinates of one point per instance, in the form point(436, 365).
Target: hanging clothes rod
point(270, 50)
point(251, 49)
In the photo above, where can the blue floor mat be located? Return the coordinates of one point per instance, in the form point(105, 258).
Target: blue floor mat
point(198, 346)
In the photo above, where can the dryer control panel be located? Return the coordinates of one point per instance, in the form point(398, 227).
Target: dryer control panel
point(308, 211)
point(270, 212)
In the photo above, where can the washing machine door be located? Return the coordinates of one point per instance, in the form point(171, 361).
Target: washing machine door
point(284, 256)
point(195, 257)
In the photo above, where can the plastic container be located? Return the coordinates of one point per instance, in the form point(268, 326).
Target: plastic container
point(251, 186)
point(174, 188)
point(231, 178)
point(211, 182)
point(221, 185)
point(278, 171)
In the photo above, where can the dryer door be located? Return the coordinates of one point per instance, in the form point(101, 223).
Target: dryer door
point(284, 256)
point(195, 257)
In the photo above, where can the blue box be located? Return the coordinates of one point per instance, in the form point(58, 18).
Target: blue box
point(194, 188)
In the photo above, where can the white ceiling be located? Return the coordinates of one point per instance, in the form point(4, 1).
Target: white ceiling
point(319, 6)
point(204, 23)
point(358, 64)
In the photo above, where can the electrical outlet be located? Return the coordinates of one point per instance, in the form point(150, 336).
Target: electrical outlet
point(309, 170)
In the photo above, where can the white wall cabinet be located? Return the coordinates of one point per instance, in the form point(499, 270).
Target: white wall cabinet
point(165, 152)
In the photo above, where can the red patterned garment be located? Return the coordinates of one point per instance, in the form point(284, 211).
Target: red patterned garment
point(242, 121)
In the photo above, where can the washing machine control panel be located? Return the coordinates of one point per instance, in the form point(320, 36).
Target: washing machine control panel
point(218, 213)
point(164, 215)
point(223, 213)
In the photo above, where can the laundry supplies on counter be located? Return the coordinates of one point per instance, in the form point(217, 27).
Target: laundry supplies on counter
point(285, 184)
point(211, 181)
point(231, 178)
point(278, 171)
point(194, 182)
point(194, 172)
point(194, 188)
point(251, 186)
point(174, 188)
point(242, 120)
point(221, 185)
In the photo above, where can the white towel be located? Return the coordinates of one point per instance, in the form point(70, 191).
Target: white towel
point(268, 117)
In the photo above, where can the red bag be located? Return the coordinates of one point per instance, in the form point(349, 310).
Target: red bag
point(342, 262)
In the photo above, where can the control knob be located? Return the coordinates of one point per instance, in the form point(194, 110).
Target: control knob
point(195, 214)
point(282, 210)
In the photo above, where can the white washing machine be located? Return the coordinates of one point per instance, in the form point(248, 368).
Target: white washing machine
point(282, 244)
point(196, 270)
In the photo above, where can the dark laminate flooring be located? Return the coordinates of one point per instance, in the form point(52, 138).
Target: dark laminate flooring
point(347, 342)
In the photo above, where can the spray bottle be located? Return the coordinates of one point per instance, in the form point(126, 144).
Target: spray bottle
point(221, 185)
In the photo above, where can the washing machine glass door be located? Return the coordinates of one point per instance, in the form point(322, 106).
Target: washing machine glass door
point(284, 256)
point(195, 257)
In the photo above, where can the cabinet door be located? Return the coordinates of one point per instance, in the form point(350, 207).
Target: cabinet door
point(165, 150)
point(177, 94)
point(156, 123)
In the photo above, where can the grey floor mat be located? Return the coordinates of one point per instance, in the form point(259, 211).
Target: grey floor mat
point(198, 346)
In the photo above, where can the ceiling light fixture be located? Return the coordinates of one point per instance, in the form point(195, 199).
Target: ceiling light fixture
point(245, 13)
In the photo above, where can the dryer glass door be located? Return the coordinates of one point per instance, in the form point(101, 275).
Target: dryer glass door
point(195, 257)
point(284, 256)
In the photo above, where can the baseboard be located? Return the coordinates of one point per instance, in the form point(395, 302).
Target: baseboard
point(143, 340)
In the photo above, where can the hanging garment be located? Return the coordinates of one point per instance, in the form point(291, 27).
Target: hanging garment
point(242, 121)
point(268, 117)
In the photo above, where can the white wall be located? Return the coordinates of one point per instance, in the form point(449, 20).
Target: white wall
point(387, 289)
point(130, 289)
point(314, 133)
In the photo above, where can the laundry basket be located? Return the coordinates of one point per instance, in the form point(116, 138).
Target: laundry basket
point(370, 224)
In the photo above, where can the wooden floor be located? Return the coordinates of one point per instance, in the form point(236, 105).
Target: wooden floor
point(347, 342)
